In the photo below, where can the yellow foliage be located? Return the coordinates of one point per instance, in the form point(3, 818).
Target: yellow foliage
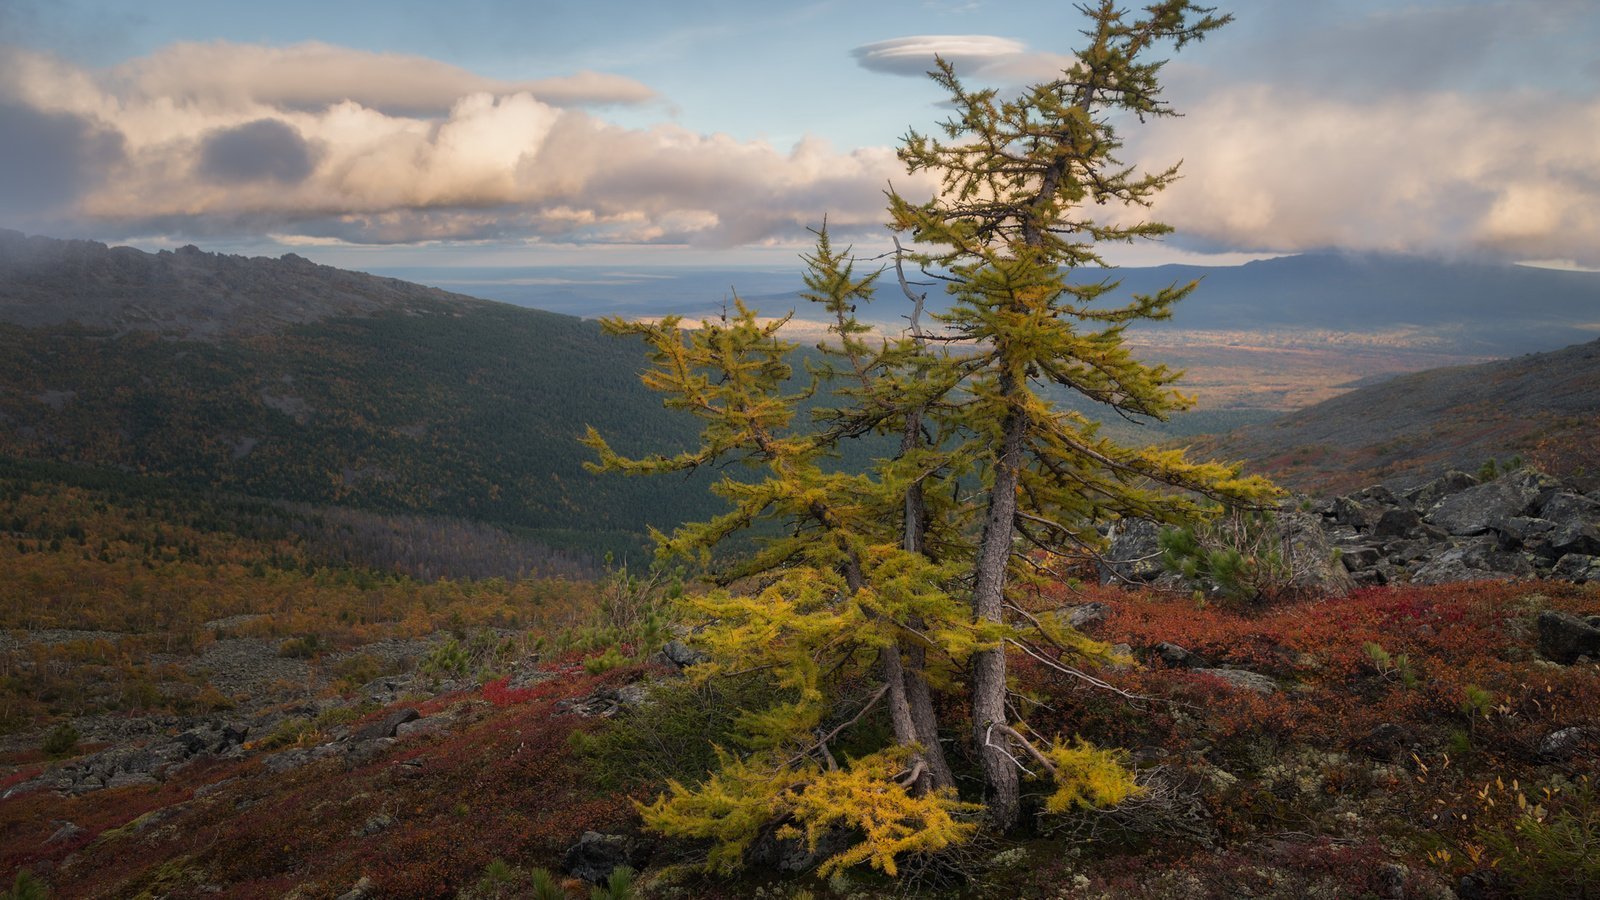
point(866, 797)
point(731, 807)
point(1088, 777)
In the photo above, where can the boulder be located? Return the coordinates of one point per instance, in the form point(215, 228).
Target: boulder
point(1577, 568)
point(1478, 509)
point(792, 856)
point(1243, 679)
point(1425, 496)
point(682, 656)
point(1083, 615)
point(595, 855)
point(1564, 637)
point(1397, 523)
point(386, 726)
point(1565, 743)
point(1134, 554)
point(1575, 521)
point(1177, 657)
point(1477, 560)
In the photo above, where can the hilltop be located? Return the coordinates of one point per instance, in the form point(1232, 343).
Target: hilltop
point(188, 292)
point(1541, 407)
point(288, 380)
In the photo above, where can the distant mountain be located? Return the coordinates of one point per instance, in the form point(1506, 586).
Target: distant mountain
point(186, 292)
point(1544, 407)
point(1474, 308)
point(285, 379)
point(1255, 339)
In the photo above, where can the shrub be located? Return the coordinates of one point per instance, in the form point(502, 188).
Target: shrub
point(1241, 554)
point(303, 647)
point(1551, 854)
point(605, 662)
point(673, 738)
point(618, 886)
point(62, 740)
point(25, 887)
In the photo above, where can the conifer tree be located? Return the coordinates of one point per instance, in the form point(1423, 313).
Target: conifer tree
point(889, 585)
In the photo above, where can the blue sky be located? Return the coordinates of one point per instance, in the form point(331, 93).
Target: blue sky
point(483, 131)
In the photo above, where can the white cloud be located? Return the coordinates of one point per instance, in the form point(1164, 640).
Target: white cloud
point(981, 55)
point(1509, 175)
point(199, 157)
point(314, 75)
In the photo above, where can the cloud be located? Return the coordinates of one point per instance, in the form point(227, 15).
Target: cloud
point(50, 156)
point(1508, 175)
point(314, 75)
point(265, 149)
point(229, 158)
point(981, 55)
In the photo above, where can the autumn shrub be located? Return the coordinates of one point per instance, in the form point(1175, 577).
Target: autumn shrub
point(25, 887)
point(612, 658)
point(618, 886)
point(674, 737)
point(1242, 555)
point(303, 647)
point(1552, 848)
point(287, 733)
point(61, 741)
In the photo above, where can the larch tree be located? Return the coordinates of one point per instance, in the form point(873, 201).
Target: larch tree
point(901, 581)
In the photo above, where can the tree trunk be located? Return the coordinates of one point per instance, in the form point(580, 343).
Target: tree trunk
point(988, 601)
point(918, 696)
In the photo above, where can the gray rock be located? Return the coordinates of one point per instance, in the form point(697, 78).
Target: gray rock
point(385, 727)
point(1084, 615)
point(1478, 509)
point(1352, 513)
point(1566, 743)
point(682, 655)
point(1306, 548)
point(1134, 554)
point(1577, 568)
point(1243, 679)
point(595, 855)
point(1564, 637)
point(1426, 495)
point(1478, 560)
point(791, 856)
point(131, 779)
point(1576, 522)
point(1397, 523)
point(1177, 657)
point(373, 825)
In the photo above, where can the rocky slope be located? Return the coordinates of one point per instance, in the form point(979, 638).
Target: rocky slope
point(1522, 525)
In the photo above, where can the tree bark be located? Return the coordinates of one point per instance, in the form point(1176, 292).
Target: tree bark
point(988, 604)
point(918, 695)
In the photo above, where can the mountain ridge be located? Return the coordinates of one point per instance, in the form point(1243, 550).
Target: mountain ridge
point(1540, 406)
point(186, 292)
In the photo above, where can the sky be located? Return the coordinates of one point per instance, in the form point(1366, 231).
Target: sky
point(715, 132)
